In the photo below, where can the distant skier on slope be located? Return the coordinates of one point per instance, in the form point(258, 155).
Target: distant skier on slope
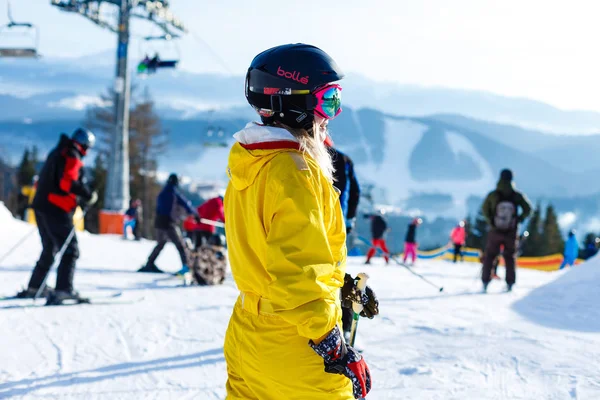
point(571, 250)
point(378, 229)
point(133, 219)
point(501, 210)
point(410, 242)
point(458, 237)
point(286, 236)
point(168, 203)
point(60, 189)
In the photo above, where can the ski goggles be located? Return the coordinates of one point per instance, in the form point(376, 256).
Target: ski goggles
point(329, 101)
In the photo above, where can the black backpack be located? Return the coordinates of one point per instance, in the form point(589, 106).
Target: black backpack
point(505, 214)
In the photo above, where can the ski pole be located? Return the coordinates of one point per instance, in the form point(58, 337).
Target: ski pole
point(58, 257)
point(213, 223)
point(440, 288)
point(19, 243)
point(361, 284)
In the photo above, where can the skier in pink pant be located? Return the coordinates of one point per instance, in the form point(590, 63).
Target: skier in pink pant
point(410, 243)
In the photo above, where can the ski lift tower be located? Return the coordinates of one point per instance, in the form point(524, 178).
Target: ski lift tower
point(157, 12)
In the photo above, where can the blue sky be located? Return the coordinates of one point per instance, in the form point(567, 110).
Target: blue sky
point(545, 50)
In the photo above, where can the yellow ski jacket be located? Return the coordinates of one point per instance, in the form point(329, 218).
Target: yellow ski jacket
point(285, 231)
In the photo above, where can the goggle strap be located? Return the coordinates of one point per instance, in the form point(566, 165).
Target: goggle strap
point(276, 102)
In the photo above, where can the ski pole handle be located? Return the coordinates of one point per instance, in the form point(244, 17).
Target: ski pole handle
point(361, 284)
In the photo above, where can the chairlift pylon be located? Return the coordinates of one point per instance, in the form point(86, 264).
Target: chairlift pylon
point(29, 30)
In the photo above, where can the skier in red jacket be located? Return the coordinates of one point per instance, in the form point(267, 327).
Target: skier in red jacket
point(212, 210)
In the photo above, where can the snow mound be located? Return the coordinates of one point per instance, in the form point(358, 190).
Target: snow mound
point(5, 215)
point(569, 302)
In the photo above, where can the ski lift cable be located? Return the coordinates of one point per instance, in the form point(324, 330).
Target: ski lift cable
point(214, 53)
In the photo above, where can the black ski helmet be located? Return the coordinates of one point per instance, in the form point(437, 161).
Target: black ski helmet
point(84, 137)
point(173, 180)
point(276, 74)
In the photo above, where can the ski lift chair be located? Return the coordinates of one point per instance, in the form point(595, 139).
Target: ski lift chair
point(20, 52)
point(150, 66)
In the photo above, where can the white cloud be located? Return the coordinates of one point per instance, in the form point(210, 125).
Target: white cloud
point(80, 102)
point(567, 219)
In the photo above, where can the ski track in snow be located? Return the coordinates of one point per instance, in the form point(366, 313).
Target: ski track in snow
point(459, 344)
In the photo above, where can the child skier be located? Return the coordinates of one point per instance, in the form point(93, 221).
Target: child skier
point(410, 243)
point(378, 230)
point(458, 237)
point(287, 236)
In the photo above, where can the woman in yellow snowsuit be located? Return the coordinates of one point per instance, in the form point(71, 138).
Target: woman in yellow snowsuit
point(286, 236)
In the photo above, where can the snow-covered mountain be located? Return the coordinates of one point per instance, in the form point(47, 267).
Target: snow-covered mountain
point(91, 75)
point(404, 157)
point(433, 163)
point(539, 342)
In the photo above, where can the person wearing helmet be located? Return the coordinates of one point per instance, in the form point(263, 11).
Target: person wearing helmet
point(168, 204)
point(571, 250)
point(286, 236)
point(60, 189)
point(410, 242)
point(458, 236)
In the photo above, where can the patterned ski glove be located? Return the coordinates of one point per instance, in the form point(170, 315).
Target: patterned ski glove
point(344, 360)
point(351, 294)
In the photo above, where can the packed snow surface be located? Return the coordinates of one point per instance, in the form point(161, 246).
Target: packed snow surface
point(541, 341)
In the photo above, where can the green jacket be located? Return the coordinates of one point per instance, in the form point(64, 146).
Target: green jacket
point(504, 190)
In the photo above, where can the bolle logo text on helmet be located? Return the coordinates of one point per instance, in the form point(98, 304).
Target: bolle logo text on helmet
point(295, 76)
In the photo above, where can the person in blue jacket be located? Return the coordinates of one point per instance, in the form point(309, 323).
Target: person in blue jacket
point(571, 251)
point(167, 214)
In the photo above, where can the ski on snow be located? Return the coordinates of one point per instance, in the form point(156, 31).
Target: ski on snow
point(114, 298)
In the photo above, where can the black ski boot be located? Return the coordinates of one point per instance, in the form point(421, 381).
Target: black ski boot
point(29, 293)
point(509, 287)
point(485, 286)
point(150, 268)
point(58, 297)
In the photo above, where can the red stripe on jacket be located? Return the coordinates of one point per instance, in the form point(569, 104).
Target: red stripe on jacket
point(67, 202)
point(278, 144)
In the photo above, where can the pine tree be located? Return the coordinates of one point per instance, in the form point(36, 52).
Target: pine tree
point(26, 169)
point(34, 157)
point(552, 241)
point(533, 245)
point(147, 140)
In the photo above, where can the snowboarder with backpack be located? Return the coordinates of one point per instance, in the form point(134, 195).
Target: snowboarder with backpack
point(501, 210)
point(287, 238)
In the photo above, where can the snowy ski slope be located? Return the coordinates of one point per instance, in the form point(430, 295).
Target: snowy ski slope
point(539, 342)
